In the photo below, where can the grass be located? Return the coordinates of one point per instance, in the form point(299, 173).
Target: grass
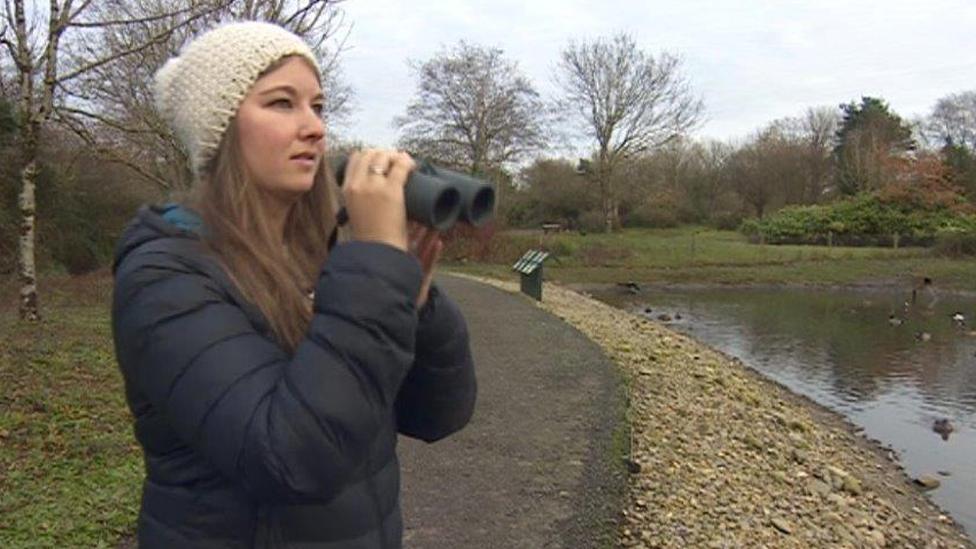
point(705, 256)
point(619, 452)
point(70, 469)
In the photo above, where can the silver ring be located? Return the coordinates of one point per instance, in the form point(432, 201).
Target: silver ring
point(376, 169)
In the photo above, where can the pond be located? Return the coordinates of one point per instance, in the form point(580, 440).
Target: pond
point(891, 365)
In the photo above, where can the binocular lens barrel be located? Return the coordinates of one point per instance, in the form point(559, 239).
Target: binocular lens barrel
point(431, 201)
point(477, 197)
point(438, 197)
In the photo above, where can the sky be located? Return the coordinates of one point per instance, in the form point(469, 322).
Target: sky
point(751, 61)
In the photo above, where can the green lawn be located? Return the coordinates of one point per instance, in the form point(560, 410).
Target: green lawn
point(707, 256)
point(70, 469)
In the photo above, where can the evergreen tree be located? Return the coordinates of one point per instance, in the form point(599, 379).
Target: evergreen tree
point(870, 140)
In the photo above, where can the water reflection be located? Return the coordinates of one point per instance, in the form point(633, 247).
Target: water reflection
point(892, 366)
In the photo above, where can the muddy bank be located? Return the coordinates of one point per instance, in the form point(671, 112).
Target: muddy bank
point(721, 457)
point(881, 286)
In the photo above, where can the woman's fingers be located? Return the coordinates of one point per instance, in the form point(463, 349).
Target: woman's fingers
point(430, 254)
point(401, 164)
point(429, 248)
point(416, 232)
point(373, 189)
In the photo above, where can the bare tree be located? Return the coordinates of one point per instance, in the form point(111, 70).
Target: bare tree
point(552, 192)
point(770, 169)
point(702, 188)
point(953, 120)
point(808, 142)
point(34, 46)
point(112, 106)
point(630, 101)
point(819, 131)
point(473, 109)
point(750, 180)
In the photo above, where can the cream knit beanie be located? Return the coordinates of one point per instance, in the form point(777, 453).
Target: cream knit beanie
point(199, 91)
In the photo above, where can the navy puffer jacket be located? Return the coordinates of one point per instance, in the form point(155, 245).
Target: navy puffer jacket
point(246, 446)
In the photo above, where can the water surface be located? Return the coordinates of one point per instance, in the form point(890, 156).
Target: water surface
point(890, 365)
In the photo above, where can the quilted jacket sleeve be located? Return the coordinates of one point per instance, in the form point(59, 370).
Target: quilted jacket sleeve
point(438, 396)
point(285, 427)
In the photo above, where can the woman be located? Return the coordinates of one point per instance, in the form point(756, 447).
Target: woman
point(269, 375)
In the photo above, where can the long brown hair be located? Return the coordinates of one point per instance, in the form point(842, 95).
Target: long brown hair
point(277, 279)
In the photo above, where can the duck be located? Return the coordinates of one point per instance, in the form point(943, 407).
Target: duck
point(943, 427)
point(959, 319)
point(894, 320)
point(632, 287)
point(923, 336)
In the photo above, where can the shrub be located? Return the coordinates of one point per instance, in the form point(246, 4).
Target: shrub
point(592, 222)
point(956, 243)
point(653, 215)
point(866, 219)
point(751, 228)
point(558, 247)
point(80, 215)
point(726, 221)
point(484, 244)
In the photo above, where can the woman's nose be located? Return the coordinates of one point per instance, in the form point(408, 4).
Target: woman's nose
point(313, 127)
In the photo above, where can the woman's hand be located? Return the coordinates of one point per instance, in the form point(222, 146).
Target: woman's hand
point(373, 190)
point(425, 243)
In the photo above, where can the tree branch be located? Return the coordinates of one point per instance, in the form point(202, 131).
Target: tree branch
point(156, 39)
point(84, 5)
point(111, 22)
point(112, 155)
point(106, 121)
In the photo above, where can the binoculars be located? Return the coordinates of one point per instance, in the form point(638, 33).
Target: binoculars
point(438, 197)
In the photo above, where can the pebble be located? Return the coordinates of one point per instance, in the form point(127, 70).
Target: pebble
point(876, 538)
point(782, 525)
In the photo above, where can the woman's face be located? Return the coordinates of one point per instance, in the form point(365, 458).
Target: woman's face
point(281, 130)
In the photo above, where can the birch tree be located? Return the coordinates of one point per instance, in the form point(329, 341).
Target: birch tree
point(35, 39)
point(629, 101)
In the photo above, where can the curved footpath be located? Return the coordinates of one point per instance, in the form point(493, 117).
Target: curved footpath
point(533, 468)
point(719, 456)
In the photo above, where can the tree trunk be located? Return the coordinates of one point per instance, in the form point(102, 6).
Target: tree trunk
point(606, 191)
point(26, 261)
point(607, 214)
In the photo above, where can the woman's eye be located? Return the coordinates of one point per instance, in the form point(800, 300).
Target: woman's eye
point(281, 103)
point(318, 108)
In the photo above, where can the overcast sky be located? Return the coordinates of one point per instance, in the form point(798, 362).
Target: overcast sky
point(752, 61)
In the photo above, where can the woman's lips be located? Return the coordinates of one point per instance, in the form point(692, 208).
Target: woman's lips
point(305, 160)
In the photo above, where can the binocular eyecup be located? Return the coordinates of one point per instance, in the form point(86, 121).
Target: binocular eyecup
point(438, 197)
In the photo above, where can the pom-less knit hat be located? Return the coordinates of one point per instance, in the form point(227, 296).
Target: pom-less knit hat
point(199, 91)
